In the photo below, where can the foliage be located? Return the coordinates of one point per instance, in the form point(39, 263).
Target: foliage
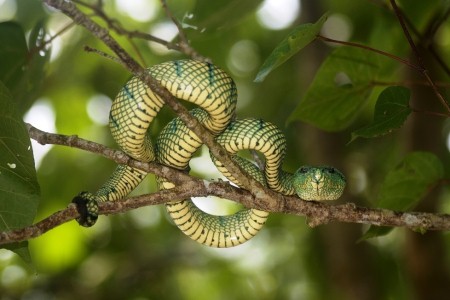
point(328, 93)
point(296, 40)
point(391, 110)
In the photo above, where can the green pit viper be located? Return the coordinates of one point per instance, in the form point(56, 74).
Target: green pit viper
point(215, 94)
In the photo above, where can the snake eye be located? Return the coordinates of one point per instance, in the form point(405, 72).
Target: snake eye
point(303, 170)
point(331, 170)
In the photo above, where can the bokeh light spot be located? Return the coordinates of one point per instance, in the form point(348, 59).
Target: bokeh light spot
point(42, 116)
point(140, 10)
point(8, 9)
point(338, 27)
point(98, 108)
point(278, 14)
point(166, 31)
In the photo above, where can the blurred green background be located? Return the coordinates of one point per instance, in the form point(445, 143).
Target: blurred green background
point(141, 254)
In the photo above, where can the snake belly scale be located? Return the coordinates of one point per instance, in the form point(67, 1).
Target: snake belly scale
point(215, 94)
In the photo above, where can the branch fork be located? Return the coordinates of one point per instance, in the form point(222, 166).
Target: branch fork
point(253, 196)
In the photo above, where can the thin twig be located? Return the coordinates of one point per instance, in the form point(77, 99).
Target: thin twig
point(50, 40)
point(407, 34)
point(431, 113)
point(44, 138)
point(392, 56)
point(169, 14)
point(184, 42)
point(427, 39)
point(130, 34)
point(410, 83)
point(416, 52)
point(101, 53)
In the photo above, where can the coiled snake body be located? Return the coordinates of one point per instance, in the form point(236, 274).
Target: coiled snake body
point(132, 112)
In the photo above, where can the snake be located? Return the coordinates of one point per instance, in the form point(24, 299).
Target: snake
point(214, 93)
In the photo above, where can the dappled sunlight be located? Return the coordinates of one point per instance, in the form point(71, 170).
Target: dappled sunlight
point(98, 107)
point(141, 10)
point(58, 249)
point(166, 31)
point(203, 166)
point(337, 26)
point(41, 115)
point(244, 58)
point(278, 14)
point(144, 217)
point(8, 9)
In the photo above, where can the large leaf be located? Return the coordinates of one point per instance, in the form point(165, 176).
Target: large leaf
point(21, 69)
point(391, 110)
point(19, 189)
point(13, 51)
point(406, 184)
point(296, 40)
point(339, 90)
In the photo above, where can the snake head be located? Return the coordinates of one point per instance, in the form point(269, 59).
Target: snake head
point(318, 183)
point(87, 208)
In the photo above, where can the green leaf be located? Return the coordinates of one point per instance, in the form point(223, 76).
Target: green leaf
point(22, 70)
point(296, 40)
point(391, 110)
point(19, 189)
point(406, 184)
point(339, 90)
point(13, 51)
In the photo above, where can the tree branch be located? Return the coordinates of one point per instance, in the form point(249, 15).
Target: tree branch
point(416, 52)
point(191, 122)
point(187, 186)
point(352, 44)
point(317, 212)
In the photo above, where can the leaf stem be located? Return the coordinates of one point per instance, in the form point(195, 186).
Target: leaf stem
point(392, 56)
point(433, 113)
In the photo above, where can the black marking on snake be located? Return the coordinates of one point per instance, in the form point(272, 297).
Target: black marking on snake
point(177, 68)
point(128, 92)
point(210, 73)
point(113, 120)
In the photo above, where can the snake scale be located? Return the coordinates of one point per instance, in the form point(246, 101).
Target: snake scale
point(215, 94)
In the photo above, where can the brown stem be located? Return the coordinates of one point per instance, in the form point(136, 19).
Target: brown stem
point(317, 212)
point(399, 59)
point(416, 52)
point(410, 83)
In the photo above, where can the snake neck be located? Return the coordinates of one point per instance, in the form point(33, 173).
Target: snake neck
point(264, 137)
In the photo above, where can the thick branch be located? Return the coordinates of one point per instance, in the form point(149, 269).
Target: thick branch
point(186, 186)
point(44, 138)
point(316, 212)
